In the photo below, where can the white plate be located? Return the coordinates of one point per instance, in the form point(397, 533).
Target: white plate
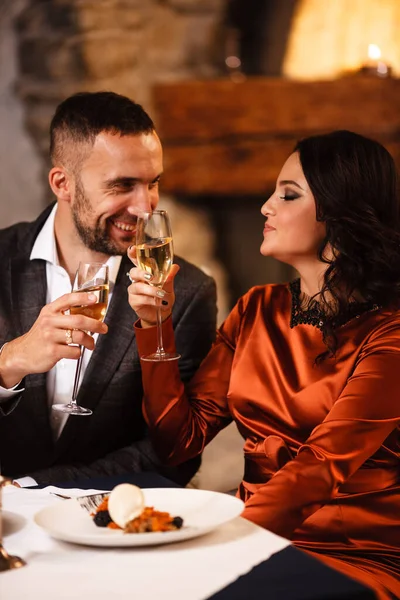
point(201, 511)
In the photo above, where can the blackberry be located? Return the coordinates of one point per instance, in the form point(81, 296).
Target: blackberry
point(102, 518)
point(177, 522)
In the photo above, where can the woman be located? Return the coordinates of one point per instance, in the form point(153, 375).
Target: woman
point(309, 371)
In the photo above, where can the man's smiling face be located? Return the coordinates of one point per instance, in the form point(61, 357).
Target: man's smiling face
point(116, 183)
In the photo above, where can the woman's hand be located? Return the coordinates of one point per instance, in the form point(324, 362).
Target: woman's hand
point(142, 296)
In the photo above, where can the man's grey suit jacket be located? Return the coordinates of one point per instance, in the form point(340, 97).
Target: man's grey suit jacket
point(114, 439)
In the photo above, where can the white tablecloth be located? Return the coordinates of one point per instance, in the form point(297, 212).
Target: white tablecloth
point(190, 570)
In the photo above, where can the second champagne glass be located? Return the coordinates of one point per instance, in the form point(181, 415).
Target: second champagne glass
point(93, 278)
point(155, 255)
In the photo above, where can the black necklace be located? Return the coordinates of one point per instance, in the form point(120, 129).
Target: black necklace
point(313, 313)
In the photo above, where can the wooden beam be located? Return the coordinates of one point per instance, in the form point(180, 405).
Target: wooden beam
point(239, 168)
point(225, 138)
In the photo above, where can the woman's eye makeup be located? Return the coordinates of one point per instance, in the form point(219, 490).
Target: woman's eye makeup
point(289, 196)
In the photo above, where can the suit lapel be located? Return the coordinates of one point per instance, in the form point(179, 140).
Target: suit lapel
point(109, 352)
point(28, 296)
point(28, 285)
point(28, 291)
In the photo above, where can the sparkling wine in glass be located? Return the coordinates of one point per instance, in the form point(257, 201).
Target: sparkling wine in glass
point(89, 278)
point(155, 255)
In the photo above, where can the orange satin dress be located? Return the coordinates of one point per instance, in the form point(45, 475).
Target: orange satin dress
point(321, 442)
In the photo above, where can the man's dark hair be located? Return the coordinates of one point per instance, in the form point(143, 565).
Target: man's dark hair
point(79, 119)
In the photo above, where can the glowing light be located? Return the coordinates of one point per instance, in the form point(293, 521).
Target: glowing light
point(374, 52)
point(233, 62)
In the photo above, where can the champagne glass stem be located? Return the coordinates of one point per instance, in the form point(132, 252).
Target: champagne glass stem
point(160, 343)
point(77, 376)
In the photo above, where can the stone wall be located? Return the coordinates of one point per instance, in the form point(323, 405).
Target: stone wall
point(67, 46)
point(21, 185)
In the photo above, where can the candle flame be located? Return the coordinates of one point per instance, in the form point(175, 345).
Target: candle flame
point(374, 52)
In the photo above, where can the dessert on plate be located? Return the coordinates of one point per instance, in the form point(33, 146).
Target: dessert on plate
point(125, 509)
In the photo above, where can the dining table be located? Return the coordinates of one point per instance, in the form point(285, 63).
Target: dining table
point(237, 560)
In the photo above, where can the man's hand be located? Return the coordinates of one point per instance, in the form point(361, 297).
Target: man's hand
point(143, 297)
point(47, 342)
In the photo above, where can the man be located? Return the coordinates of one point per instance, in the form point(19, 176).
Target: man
point(107, 163)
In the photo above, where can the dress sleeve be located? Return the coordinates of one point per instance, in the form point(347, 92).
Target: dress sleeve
point(182, 422)
point(365, 414)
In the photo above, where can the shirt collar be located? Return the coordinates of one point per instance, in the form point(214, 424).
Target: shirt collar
point(45, 248)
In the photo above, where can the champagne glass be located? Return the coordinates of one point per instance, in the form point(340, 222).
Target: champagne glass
point(90, 278)
point(155, 255)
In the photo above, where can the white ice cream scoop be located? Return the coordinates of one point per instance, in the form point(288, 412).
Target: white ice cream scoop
point(126, 502)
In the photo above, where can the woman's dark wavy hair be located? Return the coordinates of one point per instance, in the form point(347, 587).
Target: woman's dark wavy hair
point(356, 190)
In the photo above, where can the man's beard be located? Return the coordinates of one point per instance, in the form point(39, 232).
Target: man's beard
point(95, 238)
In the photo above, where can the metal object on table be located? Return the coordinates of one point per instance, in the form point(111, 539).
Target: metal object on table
point(88, 502)
point(60, 496)
point(7, 561)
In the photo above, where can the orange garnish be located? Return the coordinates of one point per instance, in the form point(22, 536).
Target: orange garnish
point(149, 520)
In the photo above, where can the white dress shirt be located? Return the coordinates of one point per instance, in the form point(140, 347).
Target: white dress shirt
point(60, 378)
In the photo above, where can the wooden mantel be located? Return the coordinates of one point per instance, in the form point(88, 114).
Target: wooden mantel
point(226, 138)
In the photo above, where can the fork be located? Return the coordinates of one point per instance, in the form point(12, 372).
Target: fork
point(89, 503)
